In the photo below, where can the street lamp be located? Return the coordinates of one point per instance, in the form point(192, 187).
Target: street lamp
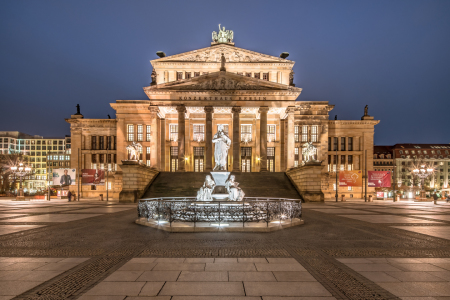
point(20, 171)
point(423, 172)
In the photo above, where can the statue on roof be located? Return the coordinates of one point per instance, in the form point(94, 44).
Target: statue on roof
point(223, 36)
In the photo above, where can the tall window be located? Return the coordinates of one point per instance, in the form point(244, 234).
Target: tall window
point(271, 159)
point(94, 158)
point(266, 76)
point(130, 132)
point(342, 143)
point(257, 75)
point(93, 143)
point(102, 158)
point(199, 133)
point(342, 166)
point(173, 135)
point(296, 137)
point(246, 159)
point(101, 142)
point(350, 162)
point(140, 133)
point(199, 153)
point(173, 159)
point(248, 74)
point(271, 136)
point(179, 75)
point(304, 133)
point(314, 133)
point(246, 133)
point(148, 133)
point(196, 74)
point(350, 144)
point(187, 75)
point(329, 143)
point(147, 156)
point(335, 143)
point(108, 143)
point(296, 157)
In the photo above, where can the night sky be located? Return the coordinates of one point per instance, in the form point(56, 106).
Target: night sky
point(391, 55)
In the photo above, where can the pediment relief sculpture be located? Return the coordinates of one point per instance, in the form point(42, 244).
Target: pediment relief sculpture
point(231, 53)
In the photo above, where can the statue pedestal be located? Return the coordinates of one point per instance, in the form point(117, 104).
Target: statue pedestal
point(307, 179)
point(220, 192)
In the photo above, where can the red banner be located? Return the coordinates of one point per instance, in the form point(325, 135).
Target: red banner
point(350, 178)
point(92, 177)
point(379, 178)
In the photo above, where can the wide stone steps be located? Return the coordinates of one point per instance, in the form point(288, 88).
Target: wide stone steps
point(186, 184)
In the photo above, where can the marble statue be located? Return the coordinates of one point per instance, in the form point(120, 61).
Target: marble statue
point(235, 193)
point(222, 63)
point(78, 109)
point(223, 36)
point(134, 150)
point(204, 194)
point(308, 151)
point(153, 76)
point(366, 110)
point(223, 143)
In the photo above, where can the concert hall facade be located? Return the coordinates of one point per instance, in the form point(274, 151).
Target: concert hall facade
point(251, 94)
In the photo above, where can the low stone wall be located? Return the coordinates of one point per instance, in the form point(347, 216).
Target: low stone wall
point(307, 179)
point(136, 178)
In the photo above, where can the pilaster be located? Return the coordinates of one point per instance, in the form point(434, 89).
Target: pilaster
point(181, 137)
point(263, 138)
point(236, 145)
point(208, 138)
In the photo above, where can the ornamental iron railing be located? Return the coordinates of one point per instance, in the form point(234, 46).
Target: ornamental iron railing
point(188, 209)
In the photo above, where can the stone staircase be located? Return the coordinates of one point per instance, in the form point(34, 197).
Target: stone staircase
point(186, 184)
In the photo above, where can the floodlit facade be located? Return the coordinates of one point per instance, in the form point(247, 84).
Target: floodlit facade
point(251, 94)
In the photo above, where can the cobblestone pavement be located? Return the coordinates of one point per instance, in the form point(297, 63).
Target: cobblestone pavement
point(345, 250)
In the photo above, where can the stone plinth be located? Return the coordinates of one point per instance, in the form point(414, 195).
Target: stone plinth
point(136, 179)
point(307, 179)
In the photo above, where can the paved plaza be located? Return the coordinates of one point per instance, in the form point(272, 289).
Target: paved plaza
point(345, 250)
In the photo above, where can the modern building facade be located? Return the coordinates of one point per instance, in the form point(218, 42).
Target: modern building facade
point(251, 94)
point(36, 148)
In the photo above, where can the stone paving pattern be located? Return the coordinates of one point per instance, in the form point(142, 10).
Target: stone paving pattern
point(345, 250)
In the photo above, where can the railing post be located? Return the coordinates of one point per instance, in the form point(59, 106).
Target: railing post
point(279, 210)
point(243, 213)
point(159, 215)
point(267, 214)
point(195, 213)
point(170, 215)
point(219, 214)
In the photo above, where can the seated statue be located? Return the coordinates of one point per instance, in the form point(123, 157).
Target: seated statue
point(235, 193)
point(204, 194)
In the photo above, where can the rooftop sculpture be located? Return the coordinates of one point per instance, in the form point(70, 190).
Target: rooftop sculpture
point(224, 36)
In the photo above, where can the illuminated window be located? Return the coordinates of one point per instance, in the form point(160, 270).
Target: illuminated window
point(225, 128)
point(304, 133)
point(130, 132)
point(147, 156)
point(314, 133)
point(296, 137)
point(246, 133)
point(271, 133)
point(173, 132)
point(199, 132)
point(148, 133)
point(140, 133)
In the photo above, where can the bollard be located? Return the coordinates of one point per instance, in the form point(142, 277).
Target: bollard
point(343, 198)
point(370, 198)
point(101, 197)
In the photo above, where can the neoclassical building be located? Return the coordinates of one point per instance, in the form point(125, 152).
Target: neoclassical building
point(250, 93)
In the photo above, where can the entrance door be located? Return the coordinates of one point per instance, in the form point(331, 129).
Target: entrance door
point(246, 159)
point(271, 159)
point(173, 159)
point(199, 154)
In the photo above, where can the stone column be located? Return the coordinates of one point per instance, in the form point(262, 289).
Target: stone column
point(208, 138)
point(154, 137)
point(162, 153)
point(236, 111)
point(290, 149)
point(181, 139)
point(263, 138)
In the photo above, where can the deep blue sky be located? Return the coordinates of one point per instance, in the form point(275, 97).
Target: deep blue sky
point(392, 55)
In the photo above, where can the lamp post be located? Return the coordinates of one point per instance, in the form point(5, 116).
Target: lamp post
point(20, 171)
point(423, 172)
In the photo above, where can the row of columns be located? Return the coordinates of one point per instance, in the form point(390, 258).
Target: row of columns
point(236, 110)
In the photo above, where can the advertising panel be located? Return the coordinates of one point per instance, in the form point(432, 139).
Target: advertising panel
point(92, 177)
point(379, 178)
point(64, 176)
point(350, 178)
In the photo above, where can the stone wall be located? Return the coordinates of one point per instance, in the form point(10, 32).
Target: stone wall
point(136, 178)
point(308, 181)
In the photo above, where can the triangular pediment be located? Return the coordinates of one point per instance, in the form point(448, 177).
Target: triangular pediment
point(232, 55)
point(221, 81)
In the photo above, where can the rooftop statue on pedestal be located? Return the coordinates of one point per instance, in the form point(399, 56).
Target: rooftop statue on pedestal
point(223, 143)
point(224, 36)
